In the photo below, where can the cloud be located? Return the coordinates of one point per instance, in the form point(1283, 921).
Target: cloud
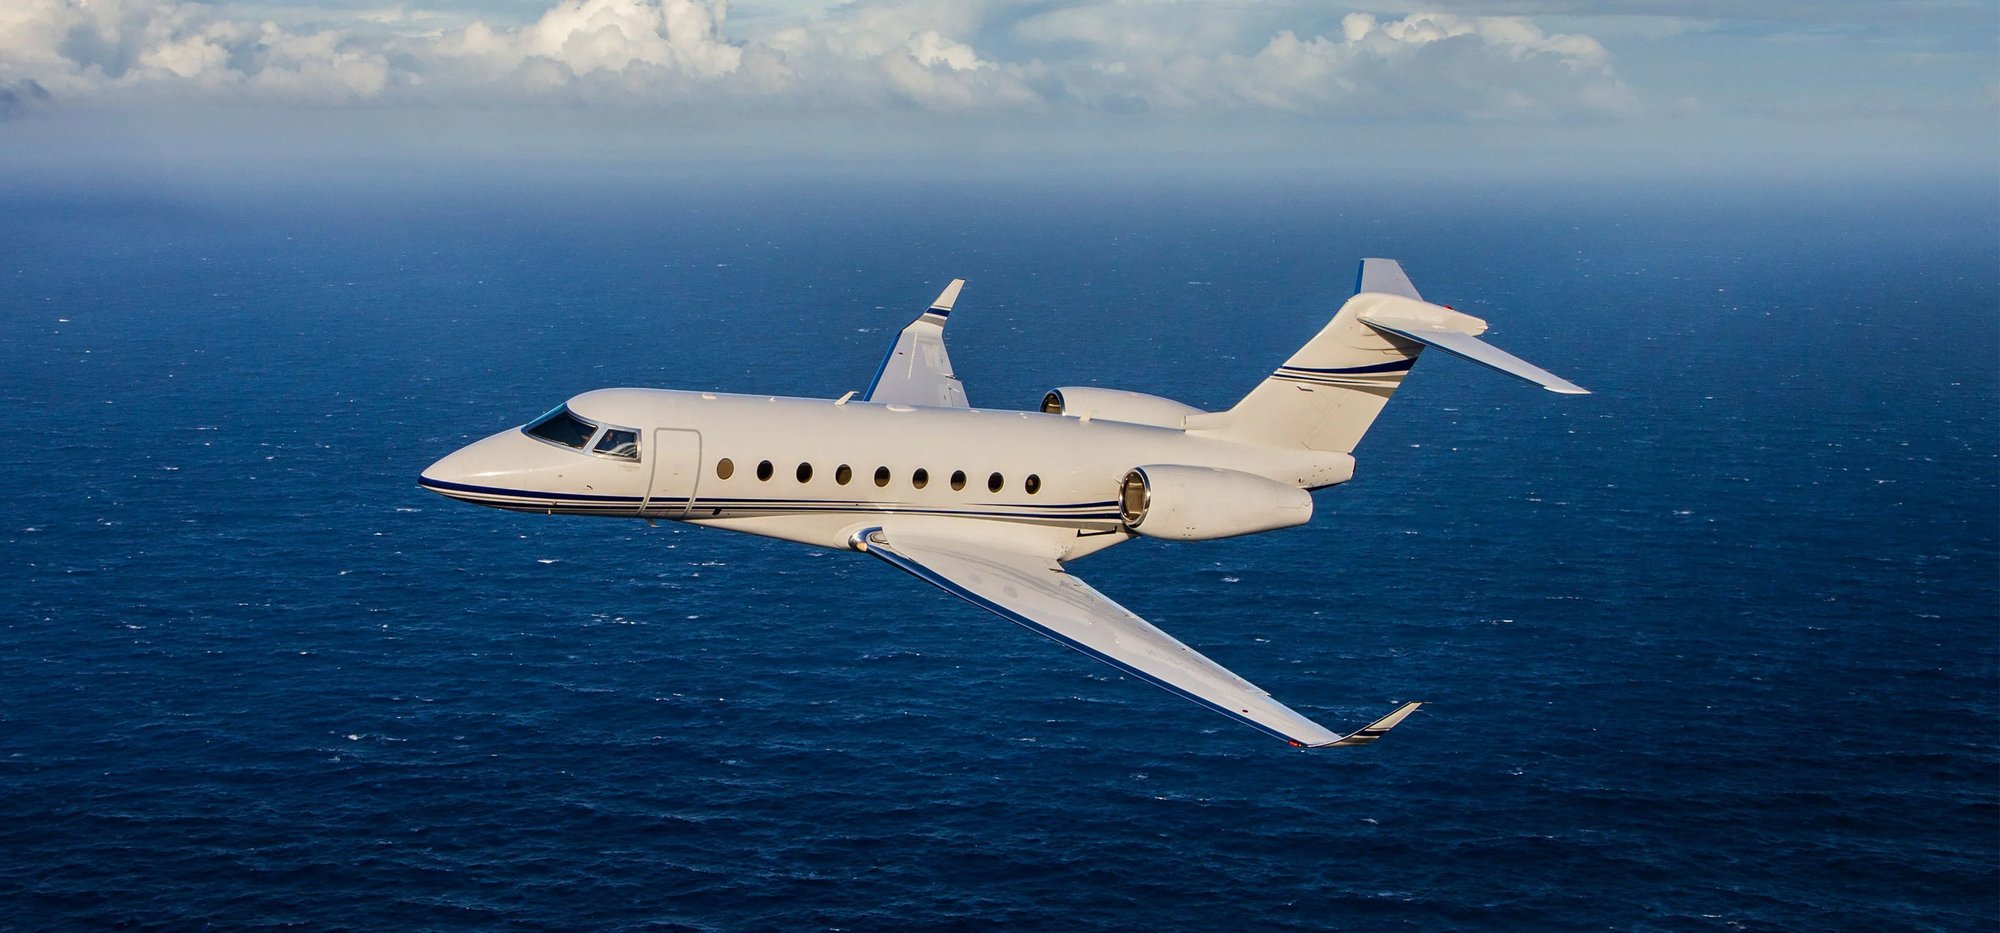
point(578, 38)
point(1108, 55)
point(1424, 66)
point(21, 98)
point(99, 48)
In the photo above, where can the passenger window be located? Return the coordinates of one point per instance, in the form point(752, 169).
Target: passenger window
point(921, 478)
point(994, 483)
point(957, 479)
point(842, 474)
point(1033, 484)
point(561, 427)
point(724, 468)
point(805, 473)
point(620, 443)
point(881, 476)
point(763, 470)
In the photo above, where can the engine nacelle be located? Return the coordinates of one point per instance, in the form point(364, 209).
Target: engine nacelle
point(1189, 503)
point(1117, 405)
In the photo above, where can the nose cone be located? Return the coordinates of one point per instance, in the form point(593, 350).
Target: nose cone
point(511, 470)
point(506, 470)
point(479, 466)
point(450, 470)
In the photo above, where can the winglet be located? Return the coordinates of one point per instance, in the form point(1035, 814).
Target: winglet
point(945, 299)
point(917, 370)
point(1376, 729)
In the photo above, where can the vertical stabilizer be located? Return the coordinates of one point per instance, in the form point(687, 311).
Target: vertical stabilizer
point(1386, 277)
point(1328, 394)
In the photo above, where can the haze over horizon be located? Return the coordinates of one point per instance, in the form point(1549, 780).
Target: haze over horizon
point(1712, 647)
point(102, 89)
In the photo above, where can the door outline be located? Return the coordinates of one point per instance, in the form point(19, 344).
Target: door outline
point(672, 447)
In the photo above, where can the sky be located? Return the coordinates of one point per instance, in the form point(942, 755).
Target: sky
point(1443, 90)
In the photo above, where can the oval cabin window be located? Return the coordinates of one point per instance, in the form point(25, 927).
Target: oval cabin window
point(725, 468)
point(805, 472)
point(958, 479)
point(1033, 484)
point(881, 476)
point(921, 478)
point(763, 470)
point(842, 474)
point(995, 483)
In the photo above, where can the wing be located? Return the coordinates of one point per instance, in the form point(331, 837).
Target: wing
point(1035, 592)
point(917, 371)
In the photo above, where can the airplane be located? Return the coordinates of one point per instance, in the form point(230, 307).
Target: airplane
point(989, 504)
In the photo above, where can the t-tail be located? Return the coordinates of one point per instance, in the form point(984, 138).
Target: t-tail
point(1329, 392)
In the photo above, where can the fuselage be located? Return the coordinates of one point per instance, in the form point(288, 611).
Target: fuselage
point(817, 470)
point(987, 505)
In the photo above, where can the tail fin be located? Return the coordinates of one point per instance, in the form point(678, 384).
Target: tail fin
point(1328, 394)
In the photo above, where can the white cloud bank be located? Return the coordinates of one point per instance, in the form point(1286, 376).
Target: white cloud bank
point(921, 54)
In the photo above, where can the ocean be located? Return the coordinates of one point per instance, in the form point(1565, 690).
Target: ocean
point(1712, 648)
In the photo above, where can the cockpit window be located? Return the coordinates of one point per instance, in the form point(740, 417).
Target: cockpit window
point(618, 442)
point(561, 427)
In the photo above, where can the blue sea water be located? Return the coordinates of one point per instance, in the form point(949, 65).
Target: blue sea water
point(1713, 648)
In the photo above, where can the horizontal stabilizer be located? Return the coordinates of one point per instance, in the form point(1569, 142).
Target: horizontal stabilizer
point(1468, 347)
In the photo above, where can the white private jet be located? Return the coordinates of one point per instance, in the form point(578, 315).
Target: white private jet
point(989, 505)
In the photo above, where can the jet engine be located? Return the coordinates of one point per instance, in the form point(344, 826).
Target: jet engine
point(1189, 503)
point(1117, 405)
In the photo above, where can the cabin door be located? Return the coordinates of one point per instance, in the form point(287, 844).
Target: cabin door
point(676, 457)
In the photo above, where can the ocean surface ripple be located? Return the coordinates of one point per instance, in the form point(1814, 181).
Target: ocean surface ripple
point(1714, 648)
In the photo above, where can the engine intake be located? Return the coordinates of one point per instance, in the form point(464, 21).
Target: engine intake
point(1189, 503)
point(1117, 405)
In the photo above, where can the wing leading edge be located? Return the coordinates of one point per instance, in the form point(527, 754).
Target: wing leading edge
point(1036, 593)
point(917, 371)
